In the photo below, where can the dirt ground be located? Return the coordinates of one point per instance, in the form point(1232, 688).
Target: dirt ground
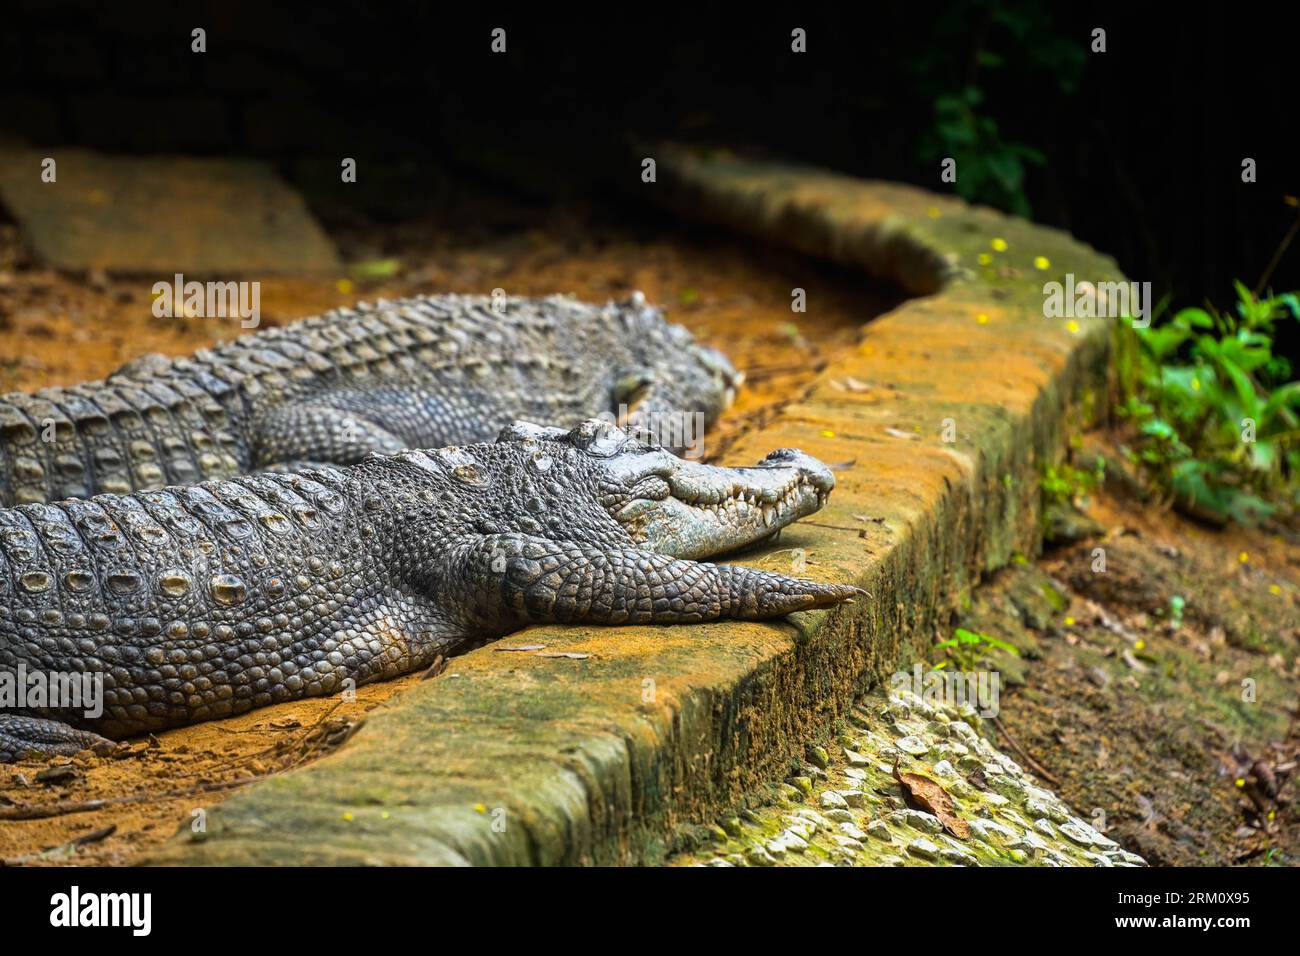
point(1158, 693)
point(57, 329)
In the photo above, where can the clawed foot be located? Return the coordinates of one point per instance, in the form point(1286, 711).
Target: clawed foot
point(36, 736)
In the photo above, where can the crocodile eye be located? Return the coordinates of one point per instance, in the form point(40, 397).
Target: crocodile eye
point(628, 389)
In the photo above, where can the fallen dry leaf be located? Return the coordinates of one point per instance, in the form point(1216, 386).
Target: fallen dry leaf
point(572, 655)
point(932, 797)
point(522, 647)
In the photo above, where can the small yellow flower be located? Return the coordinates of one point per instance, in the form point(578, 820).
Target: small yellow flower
point(1243, 557)
point(1139, 645)
point(1069, 622)
point(480, 808)
point(1240, 782)
point(1073, 326)
point(982, 319)
point(1042, 262)
point(344, 286)
point(999, 245)
point(827, 433)
point(1274, 589)
point(347, 817)
point(933, 212)
point(984, 258)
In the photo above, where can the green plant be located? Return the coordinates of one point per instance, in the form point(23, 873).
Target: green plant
point(991, 169)
point(1213, 407)
point(1064, 482)
point(966, 64)
point(965, 648)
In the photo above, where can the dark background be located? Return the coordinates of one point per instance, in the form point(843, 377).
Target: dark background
point(1137, 151)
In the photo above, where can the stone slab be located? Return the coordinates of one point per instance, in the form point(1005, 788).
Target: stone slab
point(159, 215)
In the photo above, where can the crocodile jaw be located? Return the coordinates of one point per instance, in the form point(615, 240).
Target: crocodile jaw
point(711, 510)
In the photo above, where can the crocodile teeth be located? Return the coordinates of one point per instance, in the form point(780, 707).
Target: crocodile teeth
point(769, 515)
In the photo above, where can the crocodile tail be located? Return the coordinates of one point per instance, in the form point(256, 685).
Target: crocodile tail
point(118, 436)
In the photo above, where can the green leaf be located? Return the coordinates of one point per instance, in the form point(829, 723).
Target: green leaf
point(1193, 318)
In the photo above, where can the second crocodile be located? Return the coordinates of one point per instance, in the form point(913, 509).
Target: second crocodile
point(417, 373)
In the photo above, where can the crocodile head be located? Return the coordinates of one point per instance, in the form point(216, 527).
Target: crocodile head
point(685, 509)
point(678, 386)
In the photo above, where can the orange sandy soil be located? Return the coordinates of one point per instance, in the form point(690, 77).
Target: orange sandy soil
point(56, 330)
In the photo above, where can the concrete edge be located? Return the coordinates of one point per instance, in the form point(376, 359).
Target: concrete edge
point(515, 759)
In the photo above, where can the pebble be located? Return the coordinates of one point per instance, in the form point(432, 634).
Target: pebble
point(923, 848)
point(1032, 839)
point(880, 830)
point(1126, 858)
point(992, 832)
point(851, 831)
point(1038, 808)
point(802, 829)
point(960, 857)
point(964, 730)
point(1006, 785)
point(856, 759)
point(917, 819)
point(833, 801)
point(912, 745)
point(945, 769)
point(1098, 838)
point(1077, 834)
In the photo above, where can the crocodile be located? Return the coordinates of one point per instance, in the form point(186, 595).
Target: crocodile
point(197, 602)
point(424, 372)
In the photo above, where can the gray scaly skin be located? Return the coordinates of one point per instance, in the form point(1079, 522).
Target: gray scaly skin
point(200, 602)
point(419, 373)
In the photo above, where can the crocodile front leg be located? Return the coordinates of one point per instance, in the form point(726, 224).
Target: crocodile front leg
point(296, 435)
point(510, 580)
point(21, 736)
